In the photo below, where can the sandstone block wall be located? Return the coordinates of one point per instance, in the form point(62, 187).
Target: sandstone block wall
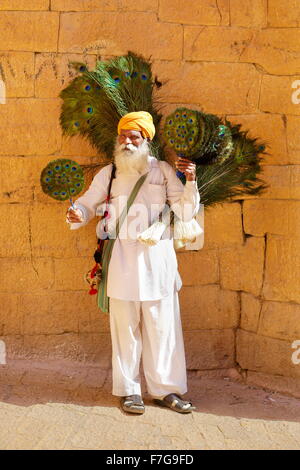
point(240, 60)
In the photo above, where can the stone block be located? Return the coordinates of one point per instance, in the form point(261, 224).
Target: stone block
point(241, 266)
point(208, 307)
point(60, 311)
point(15, 235)
point(53, 72)
point(223, 44)
point(268, 128)
point(70, 274)
point(22, 120)
point(285, 14)
point(51, 236)
point(11, 315)
point(261, 216)
point(17, 72)
point(276, 50)
point(199, 267)
point(24, 5)
point(76, 145)
point(249, 13)
point(85, 347)
point(24, 274)
point(280, 320)
point(280, 95)
point(265, 355)
point(109, 33)
point(282, 271)
point(293, 139)
point(223, 226)
point(282, 181)
point(250, 312)
point(209, 349)
point(211, 85)
point(14, 180)
point(189, 12)
point(35, 31)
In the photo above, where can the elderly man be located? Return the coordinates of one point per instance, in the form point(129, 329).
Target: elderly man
point(142, 280)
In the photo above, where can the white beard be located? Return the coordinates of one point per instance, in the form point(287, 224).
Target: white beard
point(131, 160)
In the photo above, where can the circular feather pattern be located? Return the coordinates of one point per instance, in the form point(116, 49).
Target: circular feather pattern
point(181, 131)
point(62, 179)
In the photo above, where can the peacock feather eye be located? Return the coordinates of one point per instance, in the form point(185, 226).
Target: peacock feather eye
point(134, 75)
point(74, 168)
point(58, 167)
point(76, 123)
point(144, 76)
point(127, 74)
point(170, 122)
point(82, 68)
point(87, 87)
point(90, 109)
point(116, 79)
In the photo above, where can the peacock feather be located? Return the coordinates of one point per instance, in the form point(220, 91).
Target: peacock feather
point(62, 179)
point(94, 102)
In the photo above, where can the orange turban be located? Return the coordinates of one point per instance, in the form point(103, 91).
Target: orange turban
point(138, 121)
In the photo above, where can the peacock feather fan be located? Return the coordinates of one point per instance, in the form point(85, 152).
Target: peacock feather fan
point(228, 161)
point(62, 179)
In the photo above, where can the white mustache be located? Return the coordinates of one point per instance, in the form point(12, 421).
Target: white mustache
point(130, 147)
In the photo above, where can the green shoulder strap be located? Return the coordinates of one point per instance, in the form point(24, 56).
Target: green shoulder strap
point(102, 299)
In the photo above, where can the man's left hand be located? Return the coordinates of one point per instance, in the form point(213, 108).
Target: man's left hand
point(187, 167)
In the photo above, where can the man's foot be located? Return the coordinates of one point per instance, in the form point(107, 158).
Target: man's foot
point(133, 404)
point(176, 403)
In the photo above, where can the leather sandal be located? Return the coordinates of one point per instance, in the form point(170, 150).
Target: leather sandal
point(176, 403)
point(133, 404)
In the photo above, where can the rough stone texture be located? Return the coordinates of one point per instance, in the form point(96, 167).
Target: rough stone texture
point(108, 33)
point(223, 44)
point(206, 267)
point(282, 269)
point(261, 216)
point(250, 312)
point(285, 14)
point(208, 307)
point(241, 267)
point(293, 139)
point(23, 120)
point(280, 320)
point(271, 128)
point(204, 88)
point(24, 4)
point(249, 13)
point(189, 12)
point(25, 30)
point(264, 354)
point(223, 226)
point(275, 50)
point(282, 180)
point(279, 94)
point(209, 349)
point(17, 71)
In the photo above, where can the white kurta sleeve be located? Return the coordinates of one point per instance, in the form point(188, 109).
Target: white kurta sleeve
point(93, 197)
point(184, 200)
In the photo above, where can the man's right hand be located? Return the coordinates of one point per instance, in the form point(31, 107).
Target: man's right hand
point(74, 216)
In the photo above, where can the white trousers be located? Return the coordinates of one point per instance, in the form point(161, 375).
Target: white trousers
point(151, 330)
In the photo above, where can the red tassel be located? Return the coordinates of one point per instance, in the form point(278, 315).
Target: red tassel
point(92, 291)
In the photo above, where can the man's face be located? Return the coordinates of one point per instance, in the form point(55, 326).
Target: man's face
point(130, 137)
